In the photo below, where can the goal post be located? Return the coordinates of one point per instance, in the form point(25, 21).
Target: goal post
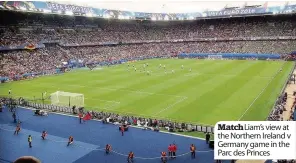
point(215, 57)
point(61, 98)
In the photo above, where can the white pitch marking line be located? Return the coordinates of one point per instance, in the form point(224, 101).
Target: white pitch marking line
point(260, 93)
point(120, 89)
point(170, 106)
point(102, 100)
point(226, 75)
point(109, 107)
point(191, 74)
point(137, 91)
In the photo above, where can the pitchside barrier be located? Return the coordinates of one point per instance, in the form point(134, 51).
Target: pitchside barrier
point(164, 124)
point(230, 55)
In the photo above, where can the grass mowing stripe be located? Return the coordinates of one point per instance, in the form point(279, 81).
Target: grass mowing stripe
point(207, 104)
point(260, 93)
point(261, 108)
point(143, 95)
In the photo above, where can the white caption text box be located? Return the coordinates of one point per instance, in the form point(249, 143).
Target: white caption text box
point(254, 140)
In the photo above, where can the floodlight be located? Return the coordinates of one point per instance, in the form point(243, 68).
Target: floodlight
point(69, 13)
point(107, 16)
point(89, 14)
point(166, 18)
point(46, 11)
point(23, 8)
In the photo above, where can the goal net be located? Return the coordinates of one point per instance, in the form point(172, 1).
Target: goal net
point(215, 57)
point(67, 99)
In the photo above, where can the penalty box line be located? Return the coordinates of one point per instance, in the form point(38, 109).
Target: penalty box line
point(101, 100)
point(162, 110)
point(123, 89)
point(182, 98)
point(114, 104)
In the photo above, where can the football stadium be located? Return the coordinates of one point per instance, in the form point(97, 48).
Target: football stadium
point(139, 81)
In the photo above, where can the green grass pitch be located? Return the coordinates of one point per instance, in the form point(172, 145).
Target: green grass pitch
point(211, 92)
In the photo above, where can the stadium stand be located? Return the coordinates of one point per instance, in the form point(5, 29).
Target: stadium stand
point(67, 38)
point(102, 41)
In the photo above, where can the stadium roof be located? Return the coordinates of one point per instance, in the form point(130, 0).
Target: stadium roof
point(170, 6)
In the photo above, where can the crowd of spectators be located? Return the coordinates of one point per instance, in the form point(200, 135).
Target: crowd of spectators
point(283, 161)
point(291, 118)
point(37, 27)
point(19, 29)
point(279, 108)
point(75, 30)
point(145, 123)
point(22, 62)
point(47, 59)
